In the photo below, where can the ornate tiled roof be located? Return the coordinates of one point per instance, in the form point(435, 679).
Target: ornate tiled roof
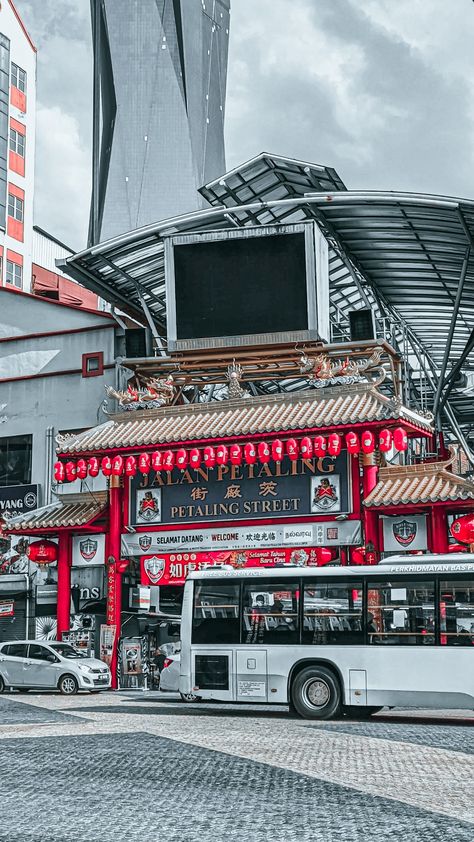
point(412, 484)
point(78, 510)
point(310, 410)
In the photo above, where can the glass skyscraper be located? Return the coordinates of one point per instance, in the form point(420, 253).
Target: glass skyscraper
point(160, 70)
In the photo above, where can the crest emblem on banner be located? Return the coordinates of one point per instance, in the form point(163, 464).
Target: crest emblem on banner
point(404, 532)
point(149, 506)
point(88, 549)
point(325, 494)
point(144, 542)
point(154, 568)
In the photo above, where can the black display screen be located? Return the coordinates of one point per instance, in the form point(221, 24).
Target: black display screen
point(242, 286)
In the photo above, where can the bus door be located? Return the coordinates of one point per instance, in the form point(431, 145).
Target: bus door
point(251, 675)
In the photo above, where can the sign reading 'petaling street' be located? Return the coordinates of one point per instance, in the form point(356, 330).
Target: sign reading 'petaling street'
point(242, 492)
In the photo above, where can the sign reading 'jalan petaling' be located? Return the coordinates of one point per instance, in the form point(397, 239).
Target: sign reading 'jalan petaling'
point(244, 492)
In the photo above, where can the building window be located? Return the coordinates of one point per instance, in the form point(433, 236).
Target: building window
point(18, 78)
point(16, 207)
point(15, 460)
point(93, 364)
point(17, 142)
point(14, 274)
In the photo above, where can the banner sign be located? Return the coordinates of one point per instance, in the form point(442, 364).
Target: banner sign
point(172, 568)
point(320, 534)
point(88, 550)
point(404, 533)
point(242, 492)
point(18, 499)
point(7, 608)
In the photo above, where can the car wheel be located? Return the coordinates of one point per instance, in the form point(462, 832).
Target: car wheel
point(2, 685)
point(68, 685)
point(190, 697)
point(355, 712)
point(316, 693)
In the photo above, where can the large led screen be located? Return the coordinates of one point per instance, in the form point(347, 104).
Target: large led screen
point(242, 286)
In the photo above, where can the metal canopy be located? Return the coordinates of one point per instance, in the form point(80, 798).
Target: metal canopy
point(400, 253)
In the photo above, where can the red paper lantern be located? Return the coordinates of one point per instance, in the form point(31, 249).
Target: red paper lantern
point(334, 444)
point(144, 462)
point(277, 450)
point(81, 468)
point(157, 460)
point(352, 442)
point(400, 439)
point(59, 471)
point(292, 449)
point(194, 457)
point(358, 555)
point(106, 466)
point(168, 460)
point(93, 466)
point(306, 447)
point(323, 555)
point(385, 440)
point(235, 454)
point(130, 466)
point(222, 454)
point(117, 466)
point(320, 446)
point(250, 453)
point(209, 457)
point(367, 442)
point(462, 529)
point(71, 471)
point(457, 548)
point(264, 452)
point(181, 458)
point(43, 552)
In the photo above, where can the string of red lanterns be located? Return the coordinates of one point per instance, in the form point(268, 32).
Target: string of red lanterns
point(236, 454)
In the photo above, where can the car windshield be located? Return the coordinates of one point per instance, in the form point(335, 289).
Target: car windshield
point(67, 651)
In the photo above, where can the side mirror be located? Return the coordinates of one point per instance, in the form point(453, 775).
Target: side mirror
point(51, 658)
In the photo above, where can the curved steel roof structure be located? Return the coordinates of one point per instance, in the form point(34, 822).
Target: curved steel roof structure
point(408, 256)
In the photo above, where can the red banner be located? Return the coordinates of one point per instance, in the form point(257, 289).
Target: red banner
point(172, 568)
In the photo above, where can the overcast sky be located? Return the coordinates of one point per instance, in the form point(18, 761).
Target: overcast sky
point(382, 90)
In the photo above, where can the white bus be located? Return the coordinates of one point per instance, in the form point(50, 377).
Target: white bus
point(333, 640)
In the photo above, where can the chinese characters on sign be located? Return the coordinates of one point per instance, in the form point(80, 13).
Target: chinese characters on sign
point(246, 492)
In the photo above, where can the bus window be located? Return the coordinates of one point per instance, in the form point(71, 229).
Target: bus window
point(216, 612)
point(270, 612)
point(332, 613)
point(456, 609)
point(401, 613)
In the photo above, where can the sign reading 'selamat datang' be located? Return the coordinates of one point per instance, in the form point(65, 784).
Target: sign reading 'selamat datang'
point(242, 492)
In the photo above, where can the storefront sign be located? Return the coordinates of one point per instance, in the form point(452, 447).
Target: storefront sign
point(404, 533)
point(7, 608)
point(18, 499)
point(111, 595)
point(88, 550)
point(322, 534)
point(242, 492)
point(172, 568)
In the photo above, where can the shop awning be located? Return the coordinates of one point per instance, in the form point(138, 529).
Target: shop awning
point(77, 510)
point(334, 407)
point(419, 484)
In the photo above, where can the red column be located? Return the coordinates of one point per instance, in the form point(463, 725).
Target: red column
point(114, 575)
point(370, 517)
point(64, 583)
point(439, 530)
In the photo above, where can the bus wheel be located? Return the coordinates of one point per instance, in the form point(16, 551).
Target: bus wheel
point(355, 712)
point(316, 694)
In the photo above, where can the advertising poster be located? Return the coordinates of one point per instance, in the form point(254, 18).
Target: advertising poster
point(107, 637)
point(404, 533)
point(88, 550)
point(131, 659)
point(7, 608)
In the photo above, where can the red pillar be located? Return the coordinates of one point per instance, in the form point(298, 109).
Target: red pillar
point(439, 530)
point(114, 574)
point(64, 583)
point(370, 517)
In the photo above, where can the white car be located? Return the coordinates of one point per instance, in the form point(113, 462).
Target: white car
point(169, 678)
point(33, 665)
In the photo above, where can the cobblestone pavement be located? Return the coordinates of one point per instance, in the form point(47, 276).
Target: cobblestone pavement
point(145, 767)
